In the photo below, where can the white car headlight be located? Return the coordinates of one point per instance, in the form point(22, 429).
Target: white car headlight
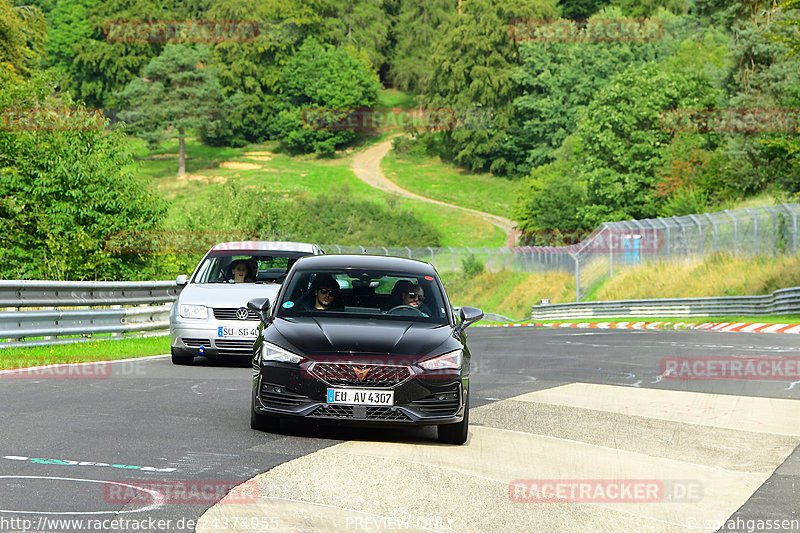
point(194, 311)
point(270, 352)
point(451, 360)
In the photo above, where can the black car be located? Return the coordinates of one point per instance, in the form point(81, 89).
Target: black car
point(363, 339)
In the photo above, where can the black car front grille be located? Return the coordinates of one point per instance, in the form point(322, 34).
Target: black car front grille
point(229, 313)
point(277, 396)
point(360, 412)
point(196, 343)
point(234, 344)
point(361, 375)
point(440, 404)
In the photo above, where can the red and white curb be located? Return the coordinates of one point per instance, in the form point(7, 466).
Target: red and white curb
point(743, 327)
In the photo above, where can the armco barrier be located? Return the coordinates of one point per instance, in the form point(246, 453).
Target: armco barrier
point(780, 302)
point(95, 307)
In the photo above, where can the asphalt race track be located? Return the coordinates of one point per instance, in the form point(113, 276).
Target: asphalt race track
point(147, 446)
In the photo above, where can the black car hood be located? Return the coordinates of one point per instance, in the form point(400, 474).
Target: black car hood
point(321, 336)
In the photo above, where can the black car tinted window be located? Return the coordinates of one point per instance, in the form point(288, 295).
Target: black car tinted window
point(364, 294)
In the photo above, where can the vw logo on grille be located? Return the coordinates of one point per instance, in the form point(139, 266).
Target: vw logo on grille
point(241, 313)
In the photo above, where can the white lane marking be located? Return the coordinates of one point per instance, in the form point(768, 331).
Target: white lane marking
point(194, 387)
point(158, 498)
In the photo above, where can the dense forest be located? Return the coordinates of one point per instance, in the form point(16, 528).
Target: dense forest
point(598, 120)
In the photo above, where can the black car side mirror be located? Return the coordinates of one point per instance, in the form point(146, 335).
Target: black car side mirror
point(469, 315)
point(260, 306)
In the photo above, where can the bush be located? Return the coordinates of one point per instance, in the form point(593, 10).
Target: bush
point(66, 188)
point(472, 266)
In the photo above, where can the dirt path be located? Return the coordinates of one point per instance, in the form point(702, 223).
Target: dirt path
point(367, 166)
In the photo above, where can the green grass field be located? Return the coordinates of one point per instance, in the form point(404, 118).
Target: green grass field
point(260, 166)
point(430, 177)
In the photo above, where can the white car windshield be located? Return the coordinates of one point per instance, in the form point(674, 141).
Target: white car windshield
point(265, 267)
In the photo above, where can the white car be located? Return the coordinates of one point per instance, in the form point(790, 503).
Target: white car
point(210, 316)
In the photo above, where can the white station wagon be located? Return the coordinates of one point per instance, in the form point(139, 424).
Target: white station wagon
point(210, 316)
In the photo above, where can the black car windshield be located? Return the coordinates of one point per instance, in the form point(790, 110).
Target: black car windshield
point(364, 294)
point(259, 267)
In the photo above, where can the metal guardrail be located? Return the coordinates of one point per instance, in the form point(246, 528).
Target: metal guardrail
point(780, 302)
point(99, 309)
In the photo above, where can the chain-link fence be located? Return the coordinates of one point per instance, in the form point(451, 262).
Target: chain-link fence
point(767, 230)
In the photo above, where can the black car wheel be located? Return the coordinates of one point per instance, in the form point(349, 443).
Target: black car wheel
point(455, 433)
point(180, 359)
point(263, 422)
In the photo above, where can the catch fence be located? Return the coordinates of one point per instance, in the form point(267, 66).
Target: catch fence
point(746, 232)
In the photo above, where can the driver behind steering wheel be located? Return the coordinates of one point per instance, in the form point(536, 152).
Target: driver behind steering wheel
point(413, 297)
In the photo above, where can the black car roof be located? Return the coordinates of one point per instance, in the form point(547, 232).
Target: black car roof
point(369, 262)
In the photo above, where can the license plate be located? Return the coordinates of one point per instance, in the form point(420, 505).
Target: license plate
point(360, 397)
point(230, 331)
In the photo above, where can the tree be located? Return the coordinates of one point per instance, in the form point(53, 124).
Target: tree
point(175, 93)
point(68, 25)
point(361, 26)
point(323, 78)
point(22, 34)
point(549, 206)
point(621, 138)
point(763, 76)
point(253, 67)
point(580, 9)
point(101, 65)
point(558, 80)
point(415, 30)
point(473, 59)
point(66, 188)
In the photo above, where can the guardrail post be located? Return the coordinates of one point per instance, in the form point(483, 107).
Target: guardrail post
point(431, 250)
point(453, 258)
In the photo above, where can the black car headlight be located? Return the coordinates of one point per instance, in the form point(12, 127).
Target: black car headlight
point(270, 352)
point(449, 361)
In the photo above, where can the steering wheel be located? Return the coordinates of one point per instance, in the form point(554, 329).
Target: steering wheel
point(404, 308)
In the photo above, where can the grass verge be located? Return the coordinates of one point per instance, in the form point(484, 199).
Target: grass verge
point(99, 349)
